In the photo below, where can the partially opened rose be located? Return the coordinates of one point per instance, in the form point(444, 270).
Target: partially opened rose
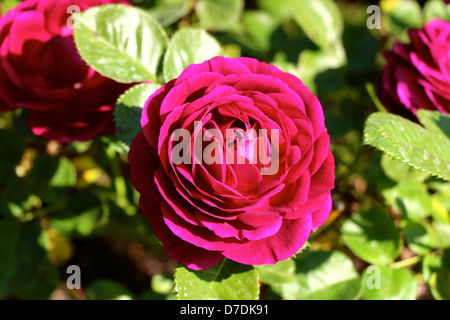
point(41, 70)
point(417, 75)
point(233, 161)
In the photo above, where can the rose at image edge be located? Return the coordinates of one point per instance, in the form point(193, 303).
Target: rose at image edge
point(416, 75)
point(203, 213)
point(41, 70)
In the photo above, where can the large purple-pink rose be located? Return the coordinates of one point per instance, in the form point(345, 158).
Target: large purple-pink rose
point(417, 75)
point(203, 210)
point(41, 70)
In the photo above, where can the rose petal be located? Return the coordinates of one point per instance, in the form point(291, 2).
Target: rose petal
point(181, 251)
point(282, 245)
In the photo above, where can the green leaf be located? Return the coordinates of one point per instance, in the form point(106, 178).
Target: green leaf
point(121, 42)
point(410, 198)
point(219, 15)
point(169, 13)
point(442, 232)
point(21, 252)
point(405, 15)
point(107, 290)
point(323, 275)
point(65, 175)
point(128, 111)
point(189, 46)
point(431, 263)
point(277, 9)
point(11, 151)
point(441, 281)
point(82, 216)
point(441, 206)
point(399, 171)
point(395, 284)
point(281, 272)
point(321, 20)
point(436, 271)
point(162, 284)
point(418, 237)
point(337, 126)
point(312, 63)
point(260, 26)
point(372, 236)
point(361, 49)
point(226, 281)
point(409, 142)
point(435, 121)
point(436, 9)
point(6, 5)
point(50, 176)
point(41, 286)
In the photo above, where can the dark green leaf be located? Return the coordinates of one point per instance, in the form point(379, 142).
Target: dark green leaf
point(11, 151)
point(82, 216)
point(128, 111)
point(107, 290)
point(43, 285)
point(21, 254)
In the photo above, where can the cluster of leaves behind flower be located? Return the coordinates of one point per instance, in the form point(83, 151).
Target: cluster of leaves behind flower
point(57, 199)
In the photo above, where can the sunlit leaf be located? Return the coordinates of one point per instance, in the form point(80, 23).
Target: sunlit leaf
point(281, 272)
point(189, 46)
point(320, 19)
point(372, 236)
point(409, 142)
point(323, 275)
point(121, 42)
point(394, 284)
point(219, 14)
point(226, 281)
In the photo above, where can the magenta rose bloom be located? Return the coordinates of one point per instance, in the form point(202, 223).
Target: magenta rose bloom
point(41, 70)
point(417, 75)
point(257, 211)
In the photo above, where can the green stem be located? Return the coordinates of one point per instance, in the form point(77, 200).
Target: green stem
point(119, 182)
point(406, 263)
